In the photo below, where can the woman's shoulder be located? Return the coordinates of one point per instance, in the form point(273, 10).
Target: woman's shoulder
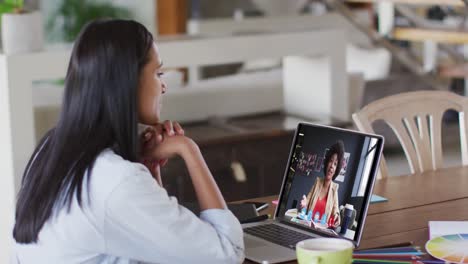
point(110, 160)
point(111, 169)
point(318, 180)
point(335, 185)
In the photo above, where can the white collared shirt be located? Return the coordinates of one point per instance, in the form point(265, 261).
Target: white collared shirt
point(129, 218)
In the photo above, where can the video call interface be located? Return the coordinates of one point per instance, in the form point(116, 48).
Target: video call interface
point(327, 180)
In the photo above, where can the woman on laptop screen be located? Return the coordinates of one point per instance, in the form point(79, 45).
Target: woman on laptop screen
point(321, 203)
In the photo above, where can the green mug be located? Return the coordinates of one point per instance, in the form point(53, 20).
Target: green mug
point(324, 251)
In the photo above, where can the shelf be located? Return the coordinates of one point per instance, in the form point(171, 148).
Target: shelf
point(414, 2)
point(441, 36)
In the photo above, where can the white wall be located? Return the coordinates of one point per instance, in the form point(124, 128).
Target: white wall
point(7, 189)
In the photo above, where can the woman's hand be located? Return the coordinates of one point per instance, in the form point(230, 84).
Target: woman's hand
point(208, 194)
point(175, 146)
point(312, 224)
point(304, 201)
point(336, 220)
point(150, 138)
point(154, 135)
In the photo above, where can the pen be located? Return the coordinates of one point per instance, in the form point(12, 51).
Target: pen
point(256, 219)
point(264, 206)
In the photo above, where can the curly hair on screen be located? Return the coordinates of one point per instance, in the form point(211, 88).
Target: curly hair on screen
point(338, 149)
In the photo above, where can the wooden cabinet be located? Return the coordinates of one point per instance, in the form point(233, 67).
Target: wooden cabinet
point(262, 161)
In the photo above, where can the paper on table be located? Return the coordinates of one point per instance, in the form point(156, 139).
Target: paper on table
point(377, 199)
point(441, 228)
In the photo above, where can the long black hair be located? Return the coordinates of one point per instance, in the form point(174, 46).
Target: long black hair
point(99, 111)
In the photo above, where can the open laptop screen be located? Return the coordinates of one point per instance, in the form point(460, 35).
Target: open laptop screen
point(329, 179)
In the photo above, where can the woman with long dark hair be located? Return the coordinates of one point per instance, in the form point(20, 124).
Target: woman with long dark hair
point(86, 196)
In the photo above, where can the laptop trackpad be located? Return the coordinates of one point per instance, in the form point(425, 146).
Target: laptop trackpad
point(253, 243)
point(258, 250)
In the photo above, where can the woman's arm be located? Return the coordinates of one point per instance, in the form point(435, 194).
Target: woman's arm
point(162, 137)
point(336, 209)
point(152, 136)
point(143, 223)
point(207, 191)
point(311, 193)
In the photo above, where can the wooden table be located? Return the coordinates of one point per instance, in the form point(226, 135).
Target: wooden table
point(414, 200)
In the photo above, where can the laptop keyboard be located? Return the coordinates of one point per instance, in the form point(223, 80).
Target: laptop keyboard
point(277, 234)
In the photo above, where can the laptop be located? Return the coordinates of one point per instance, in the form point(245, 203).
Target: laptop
point(326, 191)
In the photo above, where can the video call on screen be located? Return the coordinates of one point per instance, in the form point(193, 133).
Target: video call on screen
point(327, 180)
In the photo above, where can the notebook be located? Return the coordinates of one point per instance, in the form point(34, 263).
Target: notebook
point(441, 228)
point(377, 199)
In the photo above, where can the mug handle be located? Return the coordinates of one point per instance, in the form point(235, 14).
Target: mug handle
point(315, 260)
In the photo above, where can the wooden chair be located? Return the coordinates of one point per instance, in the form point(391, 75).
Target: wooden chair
point(416, 119)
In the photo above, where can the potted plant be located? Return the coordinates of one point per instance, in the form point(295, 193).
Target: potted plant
point(21, 30)
point(70, 16)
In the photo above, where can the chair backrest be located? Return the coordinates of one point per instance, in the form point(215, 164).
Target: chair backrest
point(416, 120)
